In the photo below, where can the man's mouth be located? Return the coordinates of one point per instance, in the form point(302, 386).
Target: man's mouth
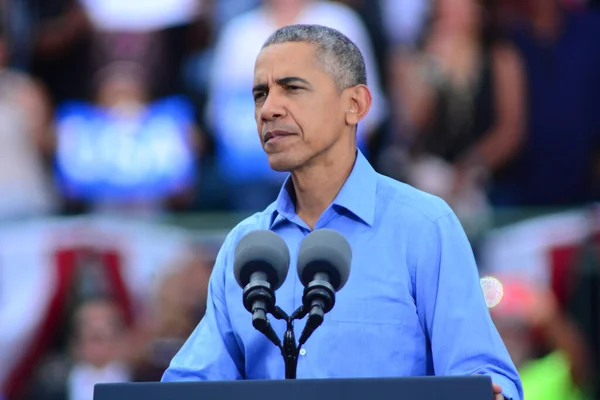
point(275, 135)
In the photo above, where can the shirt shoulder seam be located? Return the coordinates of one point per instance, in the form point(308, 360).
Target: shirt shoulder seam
point(432, 219)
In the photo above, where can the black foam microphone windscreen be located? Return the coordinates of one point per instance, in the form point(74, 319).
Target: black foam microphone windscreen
point(261, 251)
point(325, 251)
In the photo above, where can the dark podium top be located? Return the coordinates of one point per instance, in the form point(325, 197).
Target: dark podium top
point(411, 388)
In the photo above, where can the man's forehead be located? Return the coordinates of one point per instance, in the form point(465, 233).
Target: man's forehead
point(285, 59)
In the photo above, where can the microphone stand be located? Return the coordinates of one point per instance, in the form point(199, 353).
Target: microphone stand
point(259, 299)
point(289, 349)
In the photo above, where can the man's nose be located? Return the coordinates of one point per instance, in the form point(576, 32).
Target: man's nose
point(272, 107)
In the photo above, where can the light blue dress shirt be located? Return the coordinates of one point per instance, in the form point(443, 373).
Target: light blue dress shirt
point(413, 304)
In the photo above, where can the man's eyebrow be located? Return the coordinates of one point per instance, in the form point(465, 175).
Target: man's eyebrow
point(286, 81)
point(261, 87)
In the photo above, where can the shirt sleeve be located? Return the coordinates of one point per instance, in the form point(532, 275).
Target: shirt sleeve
point(464, 340)
point(211, 352)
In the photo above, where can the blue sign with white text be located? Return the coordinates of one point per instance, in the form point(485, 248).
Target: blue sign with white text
point(104, 155)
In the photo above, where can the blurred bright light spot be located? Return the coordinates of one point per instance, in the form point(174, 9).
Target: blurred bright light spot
point(492, 290)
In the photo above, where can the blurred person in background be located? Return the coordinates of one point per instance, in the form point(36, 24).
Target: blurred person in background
point(464, 102)
point(393, 26)
point(404, 20)
point(60, 39)
point(584, 294)
point(17, 18)
point(25, 185)
point(225, 10)
point(177, 308)
point(561, 56)
point(240, 159)
point(71, 39)
point(125, 152)
point(530, 321)
point(100, 348)
point(152, 33)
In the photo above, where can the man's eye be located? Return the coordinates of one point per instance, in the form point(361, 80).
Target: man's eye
point(259, 95)
point(293, 87)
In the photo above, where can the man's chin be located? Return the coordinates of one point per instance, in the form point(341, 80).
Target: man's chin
point(281, 163)
point(281, 167)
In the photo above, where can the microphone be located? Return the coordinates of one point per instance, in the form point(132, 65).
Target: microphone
point(324, 262)
point(260, 266)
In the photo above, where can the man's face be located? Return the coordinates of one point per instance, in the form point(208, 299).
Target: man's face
point(300, 114)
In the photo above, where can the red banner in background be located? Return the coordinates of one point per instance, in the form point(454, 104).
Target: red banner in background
point(46, 265)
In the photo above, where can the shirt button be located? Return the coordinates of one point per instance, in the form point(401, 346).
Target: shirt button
point(302, 352)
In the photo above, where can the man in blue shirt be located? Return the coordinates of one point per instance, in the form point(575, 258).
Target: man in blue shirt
point(413, 304)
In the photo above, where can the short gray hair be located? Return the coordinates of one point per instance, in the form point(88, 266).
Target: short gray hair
point(340, 57)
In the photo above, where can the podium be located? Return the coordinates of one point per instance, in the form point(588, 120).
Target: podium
point(409, 388)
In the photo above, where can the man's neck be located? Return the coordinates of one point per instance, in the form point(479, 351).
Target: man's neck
point(317, 185)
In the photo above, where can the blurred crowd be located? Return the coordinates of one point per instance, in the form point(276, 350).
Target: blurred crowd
point(144, 108)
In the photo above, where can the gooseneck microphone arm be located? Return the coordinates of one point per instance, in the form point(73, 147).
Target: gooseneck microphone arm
point(259, 299)
point(289, 350)
point(318, 299)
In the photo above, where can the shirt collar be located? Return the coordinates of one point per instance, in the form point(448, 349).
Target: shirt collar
point(356, 196)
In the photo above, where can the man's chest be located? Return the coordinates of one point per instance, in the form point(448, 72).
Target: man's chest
point(374, 316)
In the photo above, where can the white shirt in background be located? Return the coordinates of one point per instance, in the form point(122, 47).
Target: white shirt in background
point(140, 15)
point(83, 377)
point(25, 186)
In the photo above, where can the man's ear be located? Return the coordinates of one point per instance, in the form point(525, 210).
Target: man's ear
point(358, 103)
